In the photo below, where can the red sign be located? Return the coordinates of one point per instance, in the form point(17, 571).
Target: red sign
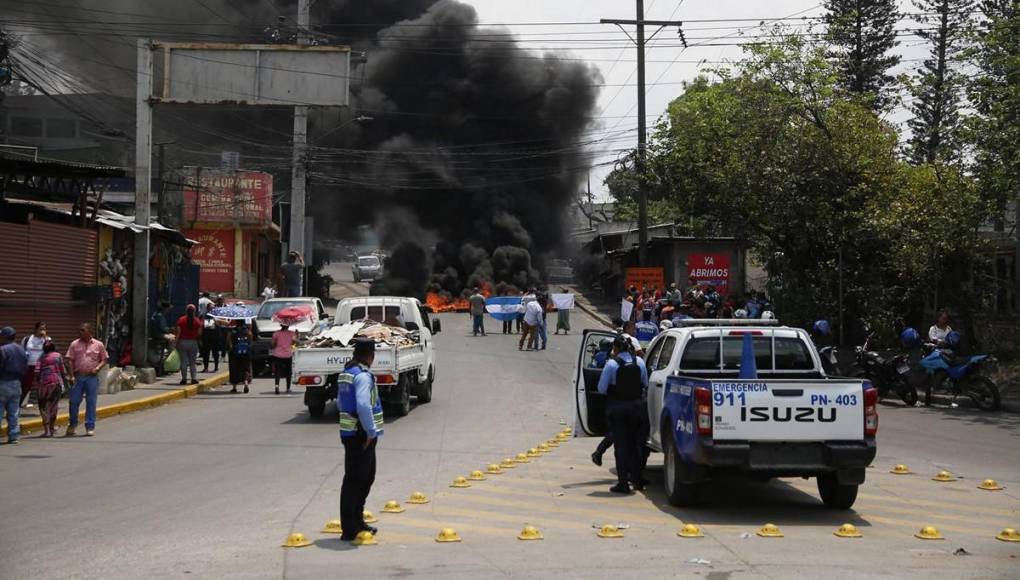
point(710, 269)
point(214, 254)
point(213, 195)
point(650, 278)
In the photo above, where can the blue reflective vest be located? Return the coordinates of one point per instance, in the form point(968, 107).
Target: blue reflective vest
point(348, 405)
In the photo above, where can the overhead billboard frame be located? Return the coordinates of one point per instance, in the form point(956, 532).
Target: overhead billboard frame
point(252, 74)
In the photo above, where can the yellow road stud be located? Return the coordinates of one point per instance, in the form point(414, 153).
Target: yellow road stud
point(418, 498)
point(990, 485)
point(848, 531)
point(562, 436)
point(544, 448)
point(364, 538)
point(553, 443)
point(476, 476)
point(533, 452)
point(508, 463)
point(900, 470)
point(770, 531)
point(460, 481)
point(609, 531)
point(1008, 535)
point(929, 533)
point(690, 531)
point(567, 430)
point(369, 517)
point(393, 507)
point(493, 469)
point(521, 458)
point(943, 476)
point(296, 540)
point(447, 535)
point(530, 533)
point(332, 527)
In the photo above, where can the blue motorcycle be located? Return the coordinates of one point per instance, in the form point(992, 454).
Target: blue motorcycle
point(959, 377)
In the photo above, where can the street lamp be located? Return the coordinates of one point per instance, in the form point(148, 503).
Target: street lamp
point(358, 119)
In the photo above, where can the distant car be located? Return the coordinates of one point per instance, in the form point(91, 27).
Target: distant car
point(265, 326)
point(367, 268)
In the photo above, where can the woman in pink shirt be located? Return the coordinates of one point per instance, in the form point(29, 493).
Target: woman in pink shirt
point(282, 353)
point(49, 381)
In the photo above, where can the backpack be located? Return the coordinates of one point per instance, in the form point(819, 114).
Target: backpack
point(628, 382)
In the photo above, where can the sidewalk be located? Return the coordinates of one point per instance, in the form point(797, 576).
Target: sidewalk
point(164, 390)
point(601, 310)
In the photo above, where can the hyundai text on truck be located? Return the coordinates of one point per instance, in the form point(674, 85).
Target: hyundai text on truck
point(791, 420)
point(400, 371)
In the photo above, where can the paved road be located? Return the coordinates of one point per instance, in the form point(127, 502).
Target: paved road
point(209, 487)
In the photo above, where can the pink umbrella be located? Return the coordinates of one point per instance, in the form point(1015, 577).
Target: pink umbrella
point(292, 315)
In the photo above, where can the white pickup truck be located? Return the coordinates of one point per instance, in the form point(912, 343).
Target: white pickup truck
point(399, 371)
point(790, 421)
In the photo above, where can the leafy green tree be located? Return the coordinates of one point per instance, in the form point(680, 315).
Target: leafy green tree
point(938, 85)
point(861, 34)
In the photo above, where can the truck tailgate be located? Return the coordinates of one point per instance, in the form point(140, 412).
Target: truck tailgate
point(327, 361)
point(787, 410)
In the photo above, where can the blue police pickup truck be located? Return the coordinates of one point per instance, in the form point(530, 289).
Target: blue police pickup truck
point(744, 396)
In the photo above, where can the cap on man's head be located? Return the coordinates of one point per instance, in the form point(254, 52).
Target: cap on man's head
point(621, 343)
point(363, 347)
point(7, 332)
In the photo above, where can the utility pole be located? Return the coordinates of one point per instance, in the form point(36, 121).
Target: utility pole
point(640, 42)
point(143, 208)
point(591, 206)
point(298, 173)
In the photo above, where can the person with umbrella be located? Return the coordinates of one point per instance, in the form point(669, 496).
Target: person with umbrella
point(239, 343)
point(282, 353)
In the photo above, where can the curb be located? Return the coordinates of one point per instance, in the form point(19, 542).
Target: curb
point(594, 314)
point(129, 406)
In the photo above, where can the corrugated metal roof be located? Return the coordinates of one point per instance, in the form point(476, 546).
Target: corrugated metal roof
point(107, 217)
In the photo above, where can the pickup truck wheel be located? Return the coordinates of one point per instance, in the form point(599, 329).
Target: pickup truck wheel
point(835, 495)
point(679, 492)
point(400, 404)
point(316, 409)
point(424, 392)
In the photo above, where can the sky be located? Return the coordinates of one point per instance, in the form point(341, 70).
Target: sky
point(669, 64)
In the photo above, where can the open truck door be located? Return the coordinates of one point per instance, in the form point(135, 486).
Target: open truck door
point(589, 404)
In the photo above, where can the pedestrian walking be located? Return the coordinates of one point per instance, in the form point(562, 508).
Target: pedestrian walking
point(361, 425)
point(223, 329)
point(477, 302)
point(543, 328)
point(86, 356)
point(532, 321)
point(239, 342)
point(187, 332)
point(50, 376)
point(508, 324)
point(160, 337)
point(283, 354)
point(624, 380)
point(13, 362)
point(33, 346)
point(293, 274)
point(210, 344)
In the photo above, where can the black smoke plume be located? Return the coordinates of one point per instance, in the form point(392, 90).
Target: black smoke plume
point(473, 151)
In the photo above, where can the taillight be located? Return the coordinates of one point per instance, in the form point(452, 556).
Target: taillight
point(309, 380)
point(703, 403)
point(385, 379)
point(870, 410)
point(743, 332)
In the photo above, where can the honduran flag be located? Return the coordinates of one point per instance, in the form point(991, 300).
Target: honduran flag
point(503, 307)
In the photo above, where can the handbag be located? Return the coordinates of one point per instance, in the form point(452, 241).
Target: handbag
point(172, 364)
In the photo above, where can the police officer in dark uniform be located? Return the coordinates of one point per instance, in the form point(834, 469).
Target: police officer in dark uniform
point(624, 381)
point(361, 425)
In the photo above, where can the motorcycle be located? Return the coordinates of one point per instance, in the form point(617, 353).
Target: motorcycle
point(886, 373)
point(959, 377)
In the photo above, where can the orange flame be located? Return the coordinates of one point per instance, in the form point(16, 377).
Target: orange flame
point(439, 303)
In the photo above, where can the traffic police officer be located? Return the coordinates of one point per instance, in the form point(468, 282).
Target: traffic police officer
point(624, 381)
point(361, 424)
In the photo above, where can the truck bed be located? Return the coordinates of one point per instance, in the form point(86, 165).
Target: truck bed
point(328, 361)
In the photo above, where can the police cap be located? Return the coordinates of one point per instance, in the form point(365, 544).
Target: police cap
point(364, 347)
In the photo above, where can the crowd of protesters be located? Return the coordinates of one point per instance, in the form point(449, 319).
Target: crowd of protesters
point(699, 300)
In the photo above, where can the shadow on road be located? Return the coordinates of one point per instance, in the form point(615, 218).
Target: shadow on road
point(745, 502)
point(335, 544)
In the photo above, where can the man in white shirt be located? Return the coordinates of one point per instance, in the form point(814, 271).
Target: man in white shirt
point(532, 320)
point(33, 345)
point(205, 304)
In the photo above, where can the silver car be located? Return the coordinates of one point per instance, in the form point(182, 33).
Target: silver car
point(367, 268)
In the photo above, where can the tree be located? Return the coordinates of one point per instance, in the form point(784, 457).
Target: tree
point(938, 84)
point(861, 34)
point(995, 95)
